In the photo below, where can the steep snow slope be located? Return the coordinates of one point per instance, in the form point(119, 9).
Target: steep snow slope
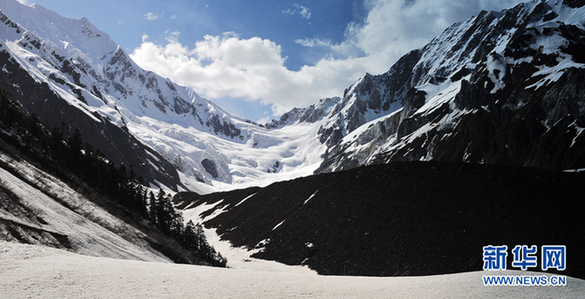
point(38, 208)
point(34, 272)
point(56, 192)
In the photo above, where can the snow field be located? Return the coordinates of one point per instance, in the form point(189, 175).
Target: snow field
point(29, 271)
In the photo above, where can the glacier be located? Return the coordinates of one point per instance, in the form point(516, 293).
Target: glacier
point(86, 68)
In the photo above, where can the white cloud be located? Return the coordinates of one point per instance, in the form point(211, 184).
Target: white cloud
point(151, 16)
point(253, 69)
point(394, 27)
point(313, 42)
point(299, 9)
point(227, 66)
point(303, 11)
point(171, 36)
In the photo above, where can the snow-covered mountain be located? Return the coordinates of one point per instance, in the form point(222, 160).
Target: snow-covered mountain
point(66, 70)
point(501, 87)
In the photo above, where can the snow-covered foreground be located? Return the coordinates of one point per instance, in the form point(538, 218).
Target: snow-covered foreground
point(30, 271)
point(57, 208)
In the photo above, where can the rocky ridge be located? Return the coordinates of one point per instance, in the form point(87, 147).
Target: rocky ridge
point(498, 88)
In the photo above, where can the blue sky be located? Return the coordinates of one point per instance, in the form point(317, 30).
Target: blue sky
point(260, 58)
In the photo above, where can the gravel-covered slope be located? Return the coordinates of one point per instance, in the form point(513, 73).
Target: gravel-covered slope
point(404, 218)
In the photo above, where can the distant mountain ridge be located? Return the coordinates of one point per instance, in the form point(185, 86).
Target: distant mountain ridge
point(502, 87)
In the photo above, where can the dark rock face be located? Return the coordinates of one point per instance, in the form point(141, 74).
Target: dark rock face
point(223, 127)
point(412, 101)
point(209, 167)
point(503, 113)
point(404, 218)
point(502, 134)
point(116, 143)
point(379, 95)
point(574, 3)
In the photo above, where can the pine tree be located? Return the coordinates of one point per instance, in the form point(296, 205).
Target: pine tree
point(72, 157)
point(75, 146)
point(153, 207)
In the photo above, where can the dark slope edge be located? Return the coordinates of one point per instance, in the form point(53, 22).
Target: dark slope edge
point(116, 143)
point(404, 218)
point(24, 138)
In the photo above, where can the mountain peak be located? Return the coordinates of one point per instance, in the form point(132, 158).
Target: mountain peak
point(71, 36)
point(443, 101)
point(475, 77)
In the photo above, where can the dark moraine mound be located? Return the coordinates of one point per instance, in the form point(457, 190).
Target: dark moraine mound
point(405, 218)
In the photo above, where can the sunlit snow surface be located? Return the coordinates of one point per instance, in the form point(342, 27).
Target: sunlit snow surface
point(263, 157)
point(29, 271)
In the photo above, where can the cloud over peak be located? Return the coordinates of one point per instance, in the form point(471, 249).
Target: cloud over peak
point(254, 68)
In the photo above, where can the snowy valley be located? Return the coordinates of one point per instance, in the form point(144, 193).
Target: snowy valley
point(48, 273)
point(404, 173)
